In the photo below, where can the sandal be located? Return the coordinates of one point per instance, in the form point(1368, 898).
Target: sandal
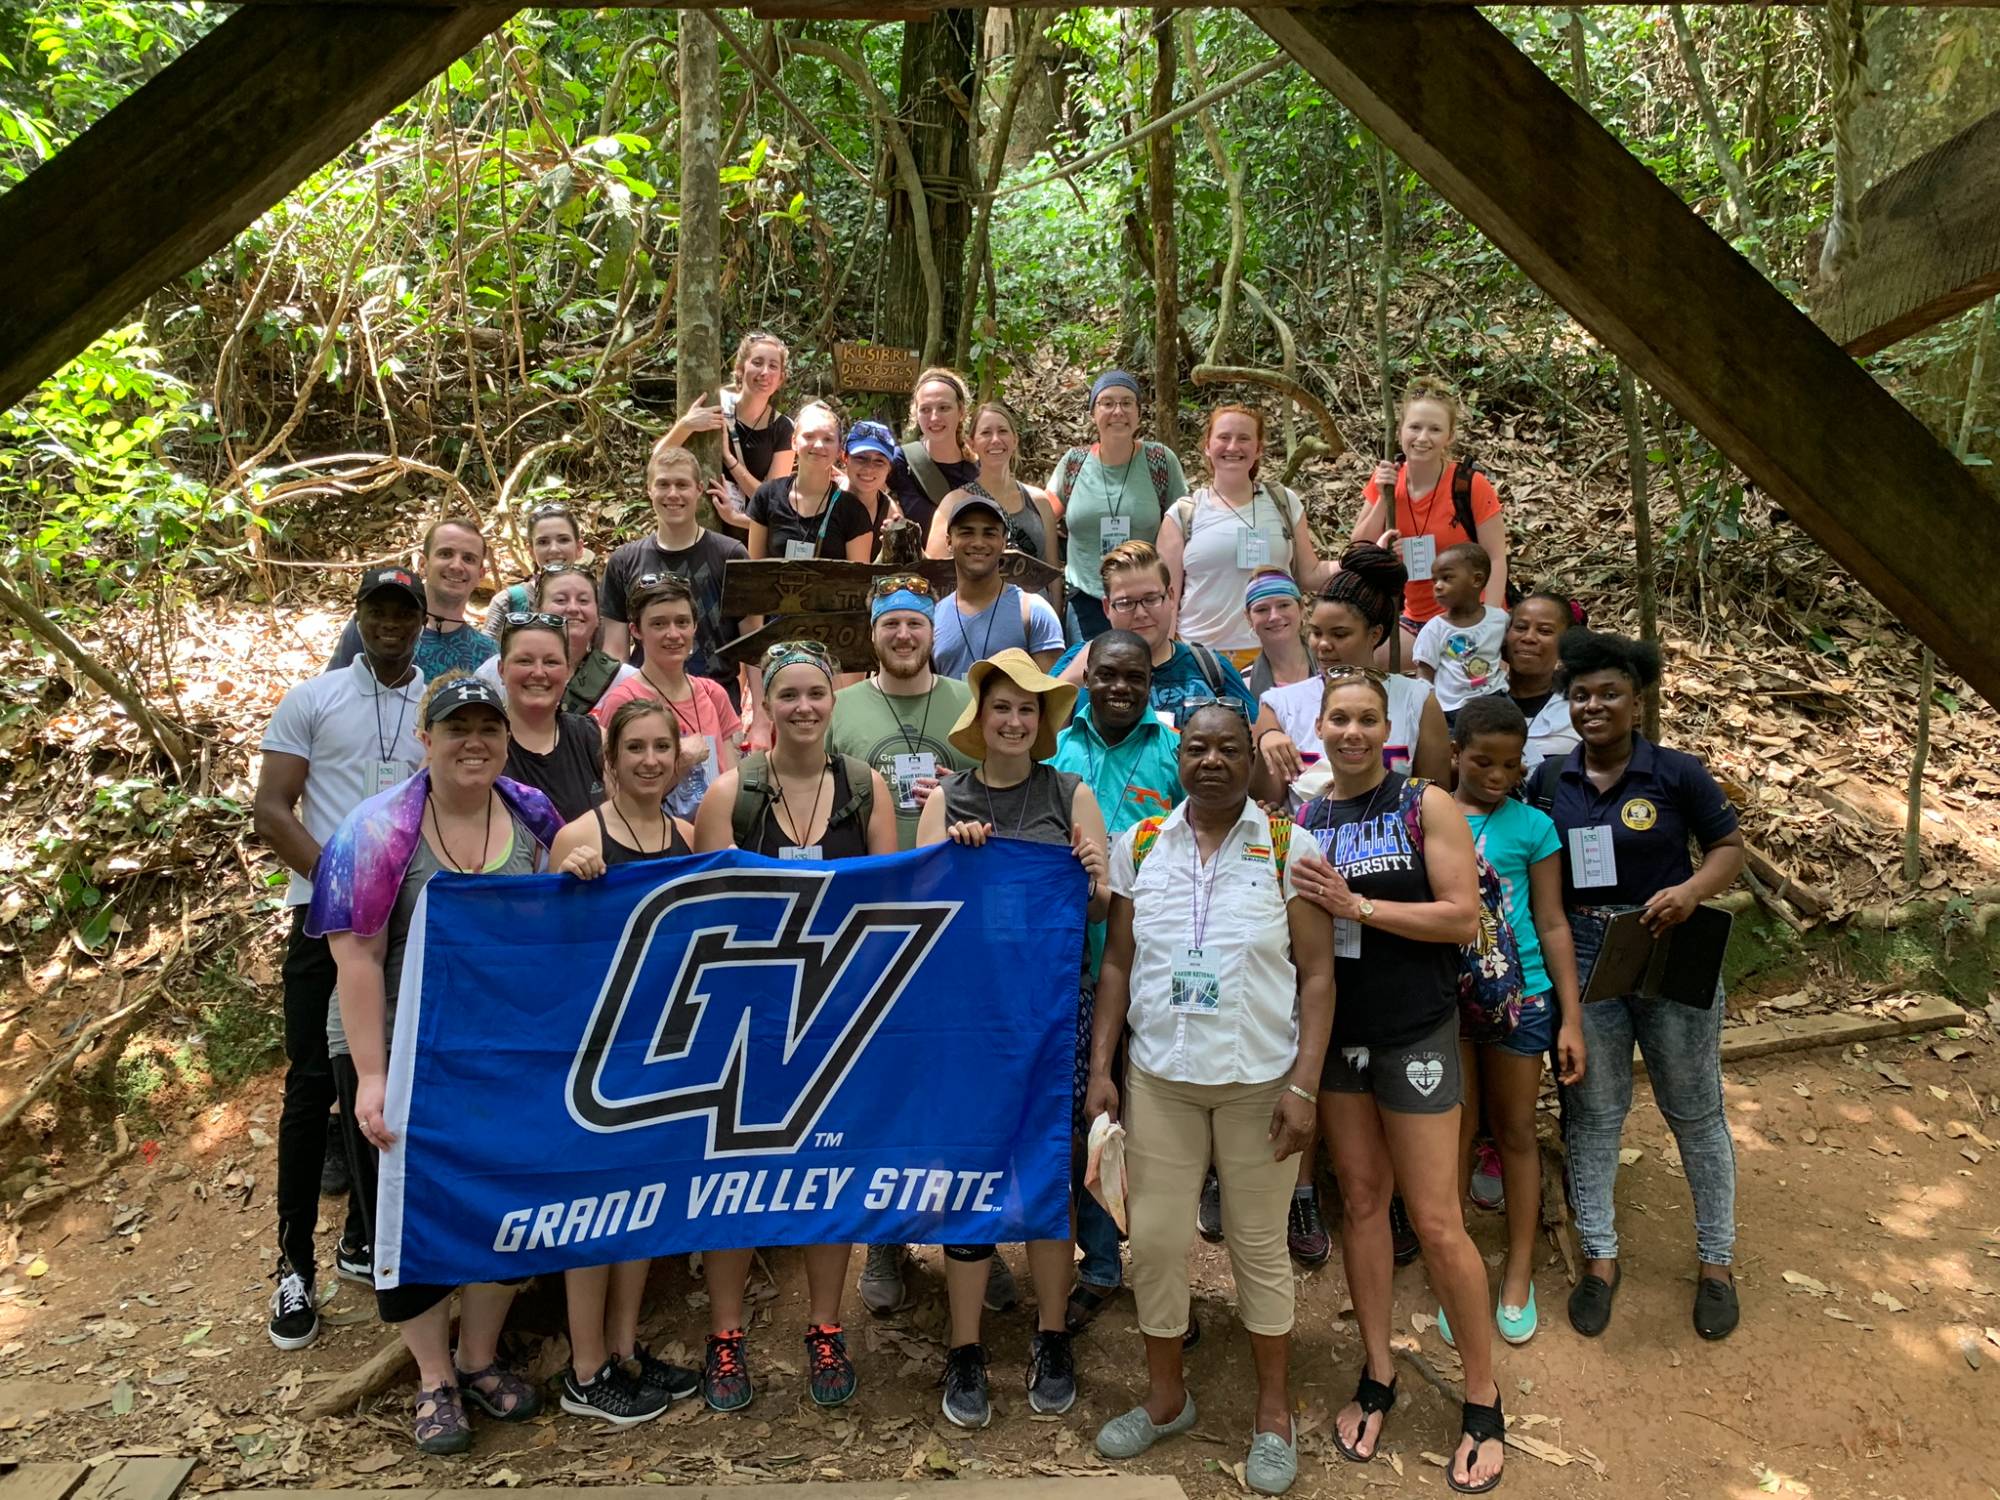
point(1085, 1303)
point(442, 1428)
point(1483, 1424)
point(1372, 1397)
point(506, 1397)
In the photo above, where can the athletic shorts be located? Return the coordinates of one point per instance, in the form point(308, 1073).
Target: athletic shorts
point(1417, 1078)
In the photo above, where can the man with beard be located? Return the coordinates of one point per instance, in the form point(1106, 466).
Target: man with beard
point(335, 741)
point(454, 557)
point(1130, 760)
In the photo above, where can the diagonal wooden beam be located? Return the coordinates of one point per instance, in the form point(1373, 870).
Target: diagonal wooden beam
point(1604, 237)
point(187, 161)
point(1930, 245)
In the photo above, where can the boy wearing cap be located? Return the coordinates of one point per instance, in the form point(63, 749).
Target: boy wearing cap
point(454, 557)
point(335, 741)
point(982, 615)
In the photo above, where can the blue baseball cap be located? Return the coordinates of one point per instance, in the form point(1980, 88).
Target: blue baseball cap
point(872, 437)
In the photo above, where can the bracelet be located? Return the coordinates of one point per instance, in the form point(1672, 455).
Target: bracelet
point(1293, 1088)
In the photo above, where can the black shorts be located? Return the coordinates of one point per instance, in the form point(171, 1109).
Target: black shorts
point(1415, 1078)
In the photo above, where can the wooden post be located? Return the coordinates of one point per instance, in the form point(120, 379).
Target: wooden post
point(697, 287)
point(193, 156)
point(1600, 233)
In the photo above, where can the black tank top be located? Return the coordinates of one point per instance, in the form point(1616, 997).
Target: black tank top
point(1399, 990)
point(616, 853)
point(845, 838)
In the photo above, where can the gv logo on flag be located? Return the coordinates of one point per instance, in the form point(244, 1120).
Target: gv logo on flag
point(754, 1018)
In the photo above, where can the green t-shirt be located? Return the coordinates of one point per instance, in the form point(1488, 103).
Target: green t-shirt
point(1125, 491)
point(877, 727)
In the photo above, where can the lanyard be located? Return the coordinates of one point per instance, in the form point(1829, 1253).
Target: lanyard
point(382, 746)
point(1201, 898)
point(1131, 770)
point(1020, 821)
point(924, 723)
point(1138, 452)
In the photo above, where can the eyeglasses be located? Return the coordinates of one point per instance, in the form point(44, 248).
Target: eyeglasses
point(1234, 705)
point(522, 619)
point(1148, 602)
point(899, 583)
point(1373, 674)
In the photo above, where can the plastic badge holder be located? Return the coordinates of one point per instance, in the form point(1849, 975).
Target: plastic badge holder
point(1104, 1173)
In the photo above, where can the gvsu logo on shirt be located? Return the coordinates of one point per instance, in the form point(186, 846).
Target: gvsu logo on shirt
point(743, 1012)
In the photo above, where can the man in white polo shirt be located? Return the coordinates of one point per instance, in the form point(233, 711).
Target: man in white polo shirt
point(334, 742)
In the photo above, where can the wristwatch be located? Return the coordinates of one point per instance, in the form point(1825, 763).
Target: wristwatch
point(1367, 910)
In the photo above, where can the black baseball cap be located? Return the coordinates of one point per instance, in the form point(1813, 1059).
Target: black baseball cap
point(460, 693)
point(402, 580)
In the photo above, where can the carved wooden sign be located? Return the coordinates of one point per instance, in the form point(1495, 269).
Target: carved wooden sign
point(874, 367)
point(826, 600)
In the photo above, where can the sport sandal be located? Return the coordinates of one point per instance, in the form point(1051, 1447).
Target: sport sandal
point(1374, 1398)
point(1483, 1424)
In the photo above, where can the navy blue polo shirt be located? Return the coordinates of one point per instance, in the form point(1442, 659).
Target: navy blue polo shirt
point(1664, 799)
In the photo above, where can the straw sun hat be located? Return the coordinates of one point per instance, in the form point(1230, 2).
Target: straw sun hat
point(1058, 699)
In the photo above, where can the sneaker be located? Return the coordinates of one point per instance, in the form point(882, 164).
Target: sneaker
point(881, 1286)
point(1402, 1233)
point(1051, 1374)
point(1715, 1307)
point(725, 1378)
point(965, 1403)
point(831, 1380)
point(294, 1319)
point(1002, 1294)
point(354, 1263)
point(1208, 1215)
point(334, 1177)
point(1488, 1191)
point(677, 1381)
point(612, 1395)
point(1305, 1235)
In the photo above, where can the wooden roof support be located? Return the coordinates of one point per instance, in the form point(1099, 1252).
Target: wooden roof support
point(1930, 245)
point(1604, 237)
point(183, 164)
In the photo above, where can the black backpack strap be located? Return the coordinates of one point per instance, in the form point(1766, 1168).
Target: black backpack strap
point(753, 798)
point(1542, 784)
point(1461, 496)
point(1211, 667)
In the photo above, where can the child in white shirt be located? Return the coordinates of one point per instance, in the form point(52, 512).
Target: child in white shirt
point(1458, 652)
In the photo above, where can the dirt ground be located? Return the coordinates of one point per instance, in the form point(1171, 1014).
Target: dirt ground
point(1865, 1366)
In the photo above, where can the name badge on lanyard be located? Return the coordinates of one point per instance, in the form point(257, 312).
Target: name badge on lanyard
point(383, 774)
point(1419, 553)
point(1593, 862)
point(800, 851)
point(910, 769)
point(1253, 549)
point(1197, 986)
point(1346, 938)
point(1113, 531)
point(797, 551)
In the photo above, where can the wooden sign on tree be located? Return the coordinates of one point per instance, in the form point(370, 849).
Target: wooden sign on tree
point(874, 367)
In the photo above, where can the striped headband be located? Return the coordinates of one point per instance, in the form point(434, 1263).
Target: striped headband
point(1271, 585)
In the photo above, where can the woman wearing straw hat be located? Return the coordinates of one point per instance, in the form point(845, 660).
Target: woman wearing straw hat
point(1010, 729)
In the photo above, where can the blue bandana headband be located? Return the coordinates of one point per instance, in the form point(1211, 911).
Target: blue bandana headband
point(1270, 586)
point(902, 599)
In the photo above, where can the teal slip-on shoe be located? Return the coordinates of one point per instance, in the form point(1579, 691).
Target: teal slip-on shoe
point(1444, 1330)
point(1518, 1324)
point(1273, 1464)
point(1132, 1434)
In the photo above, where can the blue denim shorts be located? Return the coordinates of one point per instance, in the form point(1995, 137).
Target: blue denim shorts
point(1535, 1033)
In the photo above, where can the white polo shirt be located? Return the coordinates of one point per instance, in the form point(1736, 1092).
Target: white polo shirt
point(1253, 1035)
point(342, 723)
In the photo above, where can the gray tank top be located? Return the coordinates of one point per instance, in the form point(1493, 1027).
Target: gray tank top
point(1036, 809)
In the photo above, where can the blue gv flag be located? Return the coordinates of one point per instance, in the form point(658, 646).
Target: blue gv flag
point(726, 1051)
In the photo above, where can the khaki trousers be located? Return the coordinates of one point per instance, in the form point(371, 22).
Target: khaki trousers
point(1172, 1130)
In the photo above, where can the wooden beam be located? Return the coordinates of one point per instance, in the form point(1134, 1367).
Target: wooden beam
point(182, 165)
point(1604, 237)
point(1930, 246)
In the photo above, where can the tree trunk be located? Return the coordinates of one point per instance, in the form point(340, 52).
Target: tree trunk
point(1022, 72)
point(697, 291)
point(1719, 140)
point(1166, 247)
point(937, 63)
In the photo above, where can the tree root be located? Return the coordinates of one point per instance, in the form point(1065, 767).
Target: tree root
point(49, 1197)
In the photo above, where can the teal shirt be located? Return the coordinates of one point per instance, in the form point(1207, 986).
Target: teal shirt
point(1135, 779)
point(1514, 837)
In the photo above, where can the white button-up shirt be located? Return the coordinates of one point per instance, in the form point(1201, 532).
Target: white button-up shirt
point(1254, 1036)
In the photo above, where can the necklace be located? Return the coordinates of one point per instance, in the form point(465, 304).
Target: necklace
point(819, 790)
point(689, 721)
point(902, 725)
point(1021, 819)
point(437, 827)
point(637, 842)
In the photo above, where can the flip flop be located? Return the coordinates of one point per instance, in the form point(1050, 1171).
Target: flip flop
point(1483, 1424)
point(1372, 1397)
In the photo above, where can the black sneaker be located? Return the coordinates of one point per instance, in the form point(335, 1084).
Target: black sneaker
point(1051, 1374)
point(678, 1382)
point(354, 1263)
point(1208, 1215)
point(965, 1403)
point(1402, 1233)
point(613, 1395)
point(1715, 1308)
point(725, 1378)
point(1305, 1235)
point(334, 1177)
point(294, 1318)
point(831, 1379)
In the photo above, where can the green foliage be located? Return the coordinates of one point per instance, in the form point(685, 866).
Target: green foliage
point(242, 1031)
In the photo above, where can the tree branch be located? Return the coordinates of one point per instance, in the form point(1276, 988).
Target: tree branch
point(1028, 29)
point(763, 75)
point(1245, 375)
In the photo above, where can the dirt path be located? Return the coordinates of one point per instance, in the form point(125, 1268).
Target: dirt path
point(1865, 1365)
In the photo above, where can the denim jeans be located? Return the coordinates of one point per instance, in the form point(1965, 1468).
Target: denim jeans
point(1097, 1238)
point(1682, 1047)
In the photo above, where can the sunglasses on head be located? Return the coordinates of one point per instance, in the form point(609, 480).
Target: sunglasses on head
point(897, 583)
point(1234, 705)
point(816, 649)
point(549, 509)
point(1373, 674)
point(521, 619)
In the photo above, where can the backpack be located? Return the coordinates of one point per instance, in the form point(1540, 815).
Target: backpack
point(1146, 833)
point(1156, 470)
point(755, 792)
point(1539, 790)
point(924, 469)
point(1286, 501)
point(1489, 967)
point(590, 681)
point(1210, 665)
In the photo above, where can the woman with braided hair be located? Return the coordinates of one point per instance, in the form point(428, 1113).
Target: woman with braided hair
point(1350, 620)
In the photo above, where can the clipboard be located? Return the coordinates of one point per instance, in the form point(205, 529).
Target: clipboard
point(1685, 966)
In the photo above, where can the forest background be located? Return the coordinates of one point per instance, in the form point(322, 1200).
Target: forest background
point(475, 308)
